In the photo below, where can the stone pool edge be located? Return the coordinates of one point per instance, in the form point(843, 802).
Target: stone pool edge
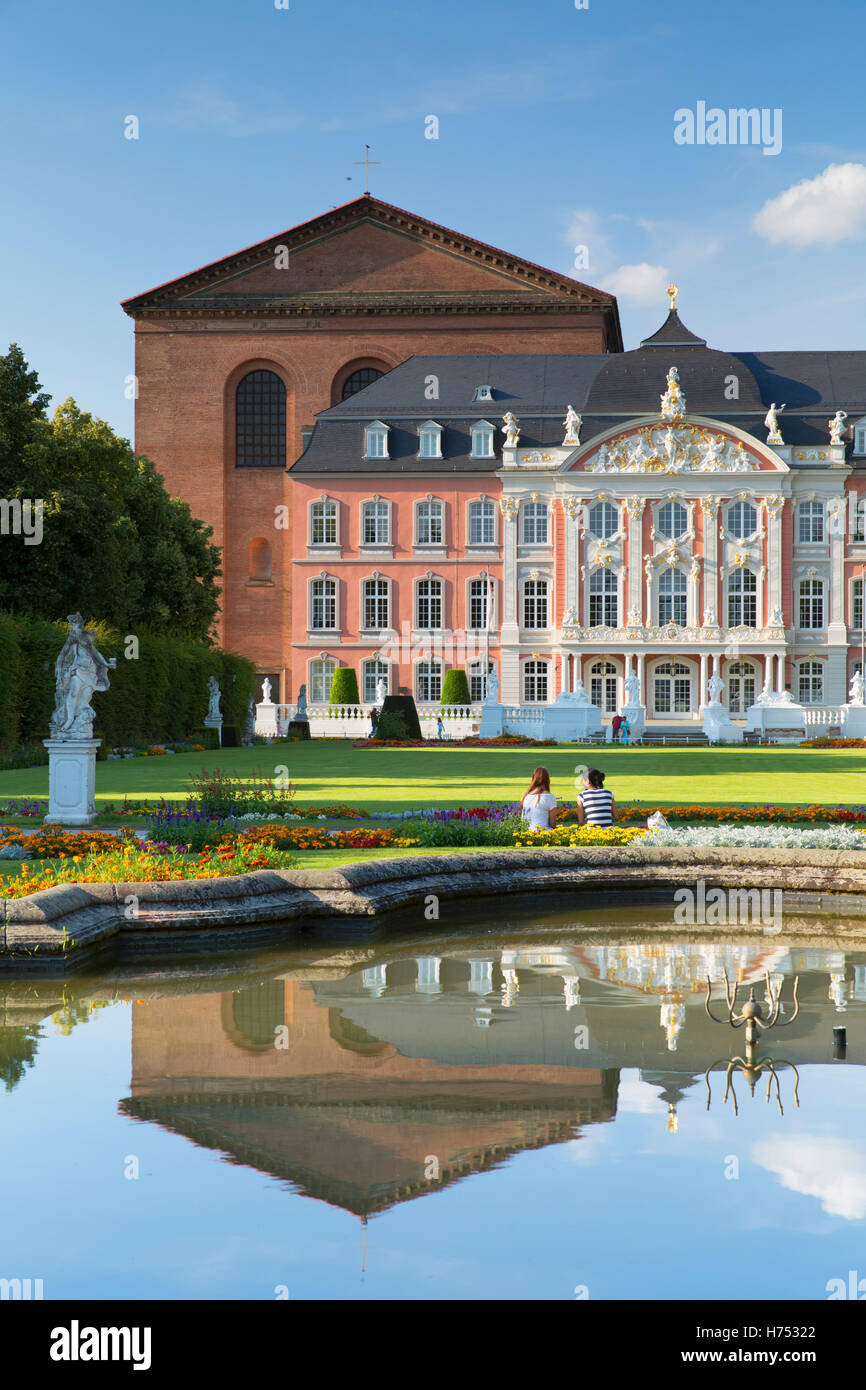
point(70, 919)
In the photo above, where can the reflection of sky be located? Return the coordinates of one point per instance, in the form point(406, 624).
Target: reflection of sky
point(628, 1209)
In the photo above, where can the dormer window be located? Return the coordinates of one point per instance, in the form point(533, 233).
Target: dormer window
point(376, 440)
point(482, 440)
point(430, 440)
point(860, 436)
point(483, 393)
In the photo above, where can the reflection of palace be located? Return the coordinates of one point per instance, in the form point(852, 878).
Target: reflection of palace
point(467, 1057)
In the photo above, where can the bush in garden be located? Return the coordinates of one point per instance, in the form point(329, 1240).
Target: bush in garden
point(391, 726)
point(344, 686)
point(455, 688)
point(404, 706)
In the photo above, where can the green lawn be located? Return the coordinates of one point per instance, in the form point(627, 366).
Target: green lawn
point(392, 779)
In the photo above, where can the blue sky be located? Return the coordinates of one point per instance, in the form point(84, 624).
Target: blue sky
point(556, 130)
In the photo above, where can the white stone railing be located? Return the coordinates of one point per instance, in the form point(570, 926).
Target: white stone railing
point(353, 721)
point(823, 717)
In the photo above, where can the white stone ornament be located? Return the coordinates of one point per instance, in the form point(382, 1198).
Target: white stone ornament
point(673, 402)
point(79, 671)
point(715, 686)
point(266, 692)
point(771, 420)
point(837, 426)
point(572, 427)
point(381, 691)
point(632, 689)
point(856, 689)
point(511, 430)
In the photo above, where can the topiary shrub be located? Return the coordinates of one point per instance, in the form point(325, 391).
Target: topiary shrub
point(344, 686)
point(455, 688)
point(208, 738)
point(391, 726)
point(404, 706)
point(230, 736)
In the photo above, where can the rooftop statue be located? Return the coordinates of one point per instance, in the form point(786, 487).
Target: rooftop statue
point(572, 426)
point(511, 430)
point(673, 401)
point(837, 426)
point(771, 420)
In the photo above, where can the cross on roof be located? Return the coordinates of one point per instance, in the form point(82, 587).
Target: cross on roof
point(367, 161)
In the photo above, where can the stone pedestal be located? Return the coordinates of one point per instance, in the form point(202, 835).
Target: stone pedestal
point(854, 721)
point(567, 720)
point(777, 713)
point(298, 728)
point(491, 721)
point(71, 780)
point(215, 721)
point(718, 725)
point(266, 719)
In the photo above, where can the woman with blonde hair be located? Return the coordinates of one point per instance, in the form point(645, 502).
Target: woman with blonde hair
point(538, 807)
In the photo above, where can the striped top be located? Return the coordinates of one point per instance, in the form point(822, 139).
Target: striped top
point(596, 802)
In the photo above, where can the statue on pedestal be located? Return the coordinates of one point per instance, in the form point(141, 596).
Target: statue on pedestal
point(632, 689)
point(300, 715)
point(214, 696)
point(855, 690)
point(572, 426)
point(492, 696)
point(673, 405)
point(381, 691)
point(266, 691)
point(837, 427)
point(511, 430)
point(771, 420)
point(715, 686)
point(80, 670)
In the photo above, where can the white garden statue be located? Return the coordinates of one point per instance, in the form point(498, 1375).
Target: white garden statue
point(511, 430)
point(855, 690)
point(266, 691)
point(214, 697)
point(715, 686)
point(492, 696)
point(381, 691)
point(632, 689)
point(80, 670)
point(572, 426)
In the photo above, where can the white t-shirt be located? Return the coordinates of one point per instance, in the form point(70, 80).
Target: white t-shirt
point(536, 808)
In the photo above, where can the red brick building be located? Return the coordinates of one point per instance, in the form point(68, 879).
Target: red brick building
point(234, 360)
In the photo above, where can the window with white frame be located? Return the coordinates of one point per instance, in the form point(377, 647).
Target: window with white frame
point(603, 521)
point(603, 599)
point(858, 532)
point(673, 598)
point(323, 605)
point(672, 688)
point(483, 435)
point(478, 599)
point(534, 523)
point(810, 682)
point(376, 440)
point(860, 437)
point(428, 681)
point(535, 682)
point(377, 523)
point(321, 674)
point(428, 604)
point(323, 523)
point(603, 686)
point(857, 604)
point(429, 529)
point(535, 603)
point(482, 523)
point(810, 522)
point(672, 520)
point(811, 611)
point(743, 598)
point(374, 671)
point(430, 440)
point(377, 593)
point(742, 520)
point(478, 680)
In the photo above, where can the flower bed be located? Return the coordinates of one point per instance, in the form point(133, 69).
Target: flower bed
point(834, 743)
point(761, 837)
point(574, 835)
point(50, 842)
point(288, 837)
point(745, 815)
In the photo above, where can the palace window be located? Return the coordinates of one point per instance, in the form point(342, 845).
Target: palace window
point(603, 686)
point(742, 520)
point(672, 688)
point(321, 675)
point(811, 603)
point(535, 603)
point(376, 440)
point(673, 600)
point(364, 376)
point(478, 593)
point(535, 523)
point(482, 523)
point(603, 599)
point(810, 683)
point(743, 599)
point(603, 521)
point(430, 440)
point(374, 671)
point(810, 522)
point(323, 523)
point(535, 683)
point(428, 604)
point(323, 605)
point(428, 681)
point(860, 437)
point(672, 520)
point(742, 686)
point(428, 523)
point(858, 532)
point(483, 440)
point(478, 681)
point(260, 421)
point(376, 605)
point(857, 604)
point(377, 523)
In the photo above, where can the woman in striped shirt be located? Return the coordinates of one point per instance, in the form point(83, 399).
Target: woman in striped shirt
point(595, 805)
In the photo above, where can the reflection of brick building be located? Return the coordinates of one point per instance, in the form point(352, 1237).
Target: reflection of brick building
point(341, 1113)
point(233, 360)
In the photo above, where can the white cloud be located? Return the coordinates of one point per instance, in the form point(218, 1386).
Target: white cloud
point(641, 284)
point(833, 1170)
point(828, 208)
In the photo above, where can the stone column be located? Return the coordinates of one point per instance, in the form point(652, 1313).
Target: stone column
point(703, 678)
point(710, 509)
point(635, 509)
point(774, 507)
point(510, 634)
point(573, 509)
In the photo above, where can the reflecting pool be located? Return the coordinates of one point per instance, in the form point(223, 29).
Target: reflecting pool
point(519, 1111)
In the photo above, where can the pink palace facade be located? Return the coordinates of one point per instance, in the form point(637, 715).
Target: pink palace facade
point(575, 516)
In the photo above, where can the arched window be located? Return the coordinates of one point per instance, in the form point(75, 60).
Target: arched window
point(742, 520)
point(672, 688)
point(377, 605)
point(603, 521)
point(811, 683)
point(260, 421)
point(673, 602)
point(374, 671)
point(260, 562)
point(603, 605)
point(742, 686)
point(321, 674)
point(535, 683)
point(428, 681)
point(811, 603)
point(743, 599)
point(364, 376)
point(672, 520)
point(535, 603)
point(603, 686)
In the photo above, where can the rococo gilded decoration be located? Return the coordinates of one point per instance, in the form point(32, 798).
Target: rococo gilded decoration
point(672, 449)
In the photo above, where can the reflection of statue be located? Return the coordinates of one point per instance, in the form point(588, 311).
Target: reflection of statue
point(492, 696)
point(301, 711)
point(632, 689)
point(213, 711)
point(381, 691)
point(855, 691)
point(80, 670)
point(266, 691)
point(511, 430)
point(771, 420)
point(572, 426)
point(715, 686)
point(837, 426)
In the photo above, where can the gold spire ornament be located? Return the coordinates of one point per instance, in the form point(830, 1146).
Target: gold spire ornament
point(672, 291)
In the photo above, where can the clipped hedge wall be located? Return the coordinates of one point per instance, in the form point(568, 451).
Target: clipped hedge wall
point(344, 686)
point(160, 694)
point(455, 688)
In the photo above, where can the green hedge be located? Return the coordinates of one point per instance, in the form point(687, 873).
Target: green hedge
point(344, 686)
point(160, 694)
point(455, 688)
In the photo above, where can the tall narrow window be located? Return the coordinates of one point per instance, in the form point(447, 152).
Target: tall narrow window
point(603, 605)
point(810, 522)
point(811, 683)
point(535, 683)
point(323, 605)
point(478, 604)
point(603, 686)
point(535, 523)
point(376, 616)
point(428, 523)
point(376, 440)
point(673, 600)
point(857, 604)
point(743, 599)
point(428, 604)
point(430, 440)
point(323, 523)
point(428, 681)
point(260, 421)
point(377, 523)
point(535, 603)
point(375, 671)
point(482, 440)
point(811, 603)
point(482, 523)
point(321, 674)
